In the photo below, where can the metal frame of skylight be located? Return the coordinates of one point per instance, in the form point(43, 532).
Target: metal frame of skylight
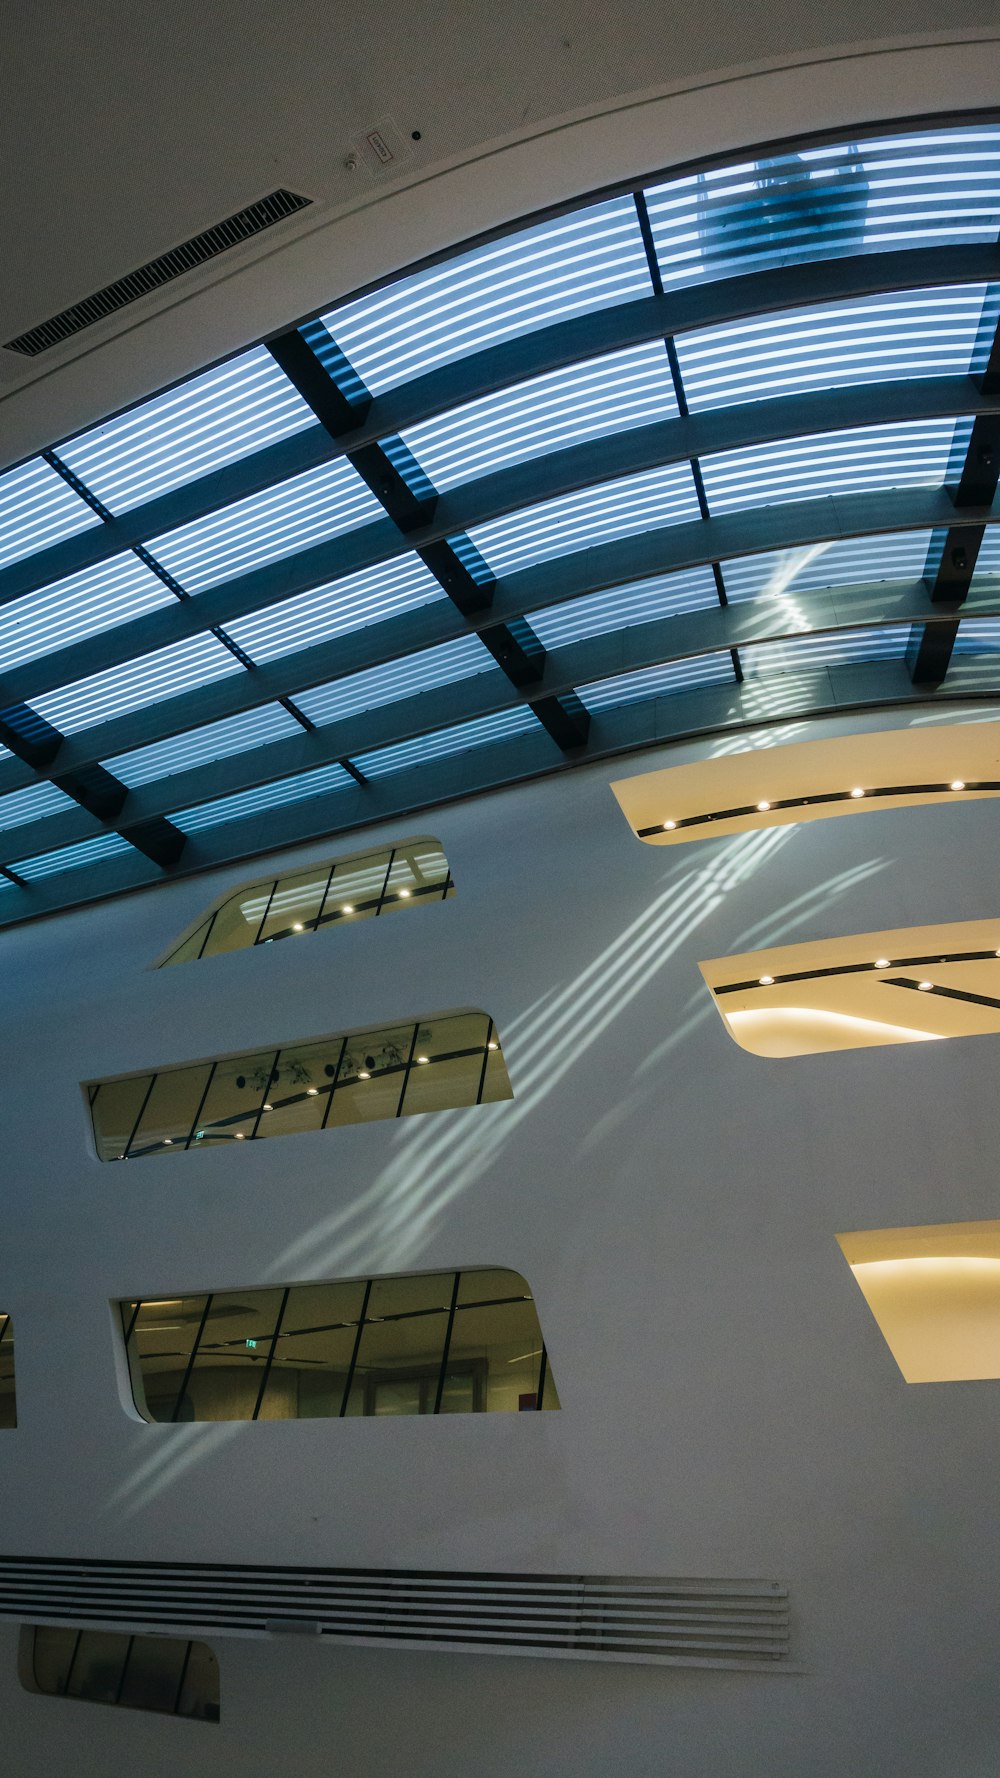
point(587, 336)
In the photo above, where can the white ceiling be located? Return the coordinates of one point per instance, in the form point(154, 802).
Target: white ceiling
point(126, 129)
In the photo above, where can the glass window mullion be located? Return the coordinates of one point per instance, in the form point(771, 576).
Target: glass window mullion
point(208, 934)
point(201, 1106)
point(194, 1353)
point(271, 1352)
point(267, 910)
point(543, 1369)
point(333, 1083)
point(121, 1677)
point(72, 1663)
point(407, 1071)
point(138, 1122)
point(349, 1384)
point(268, 1089)
point(326, 893)
point(180, 1683)
point(385, 882)
point(447, 1342)
point(486, 1057)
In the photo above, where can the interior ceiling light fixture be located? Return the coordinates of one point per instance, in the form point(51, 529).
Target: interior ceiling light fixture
point(935, 1293)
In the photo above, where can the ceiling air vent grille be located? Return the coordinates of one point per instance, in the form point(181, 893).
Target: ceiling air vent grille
point(702, 1623)
point(241, 227)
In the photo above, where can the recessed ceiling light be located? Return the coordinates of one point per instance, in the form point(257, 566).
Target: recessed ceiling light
point(267, 1108)
point(857, 791)
point(669, 824)
point(763, 807)
point(492, 1046)
point(240, 1135)
point(298, 926)
point(881, 963)
point(958, 784)
point(363, 1074)
point(925, 987)
point(312, 1092)
point(765, 981)
point(423, 1058)
point(168, 1141)
point(347, 908)
point(404, 895)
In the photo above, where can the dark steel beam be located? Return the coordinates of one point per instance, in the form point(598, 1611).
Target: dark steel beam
point(882, 685)
point(577, 664)
point(582, 337)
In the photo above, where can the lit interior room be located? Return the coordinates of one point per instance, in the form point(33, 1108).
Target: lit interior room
point(500, 665)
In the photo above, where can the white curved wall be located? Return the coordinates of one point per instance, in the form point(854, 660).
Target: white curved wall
point(729, 1406)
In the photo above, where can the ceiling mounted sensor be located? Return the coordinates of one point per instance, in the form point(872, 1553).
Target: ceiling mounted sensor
point(147, 278)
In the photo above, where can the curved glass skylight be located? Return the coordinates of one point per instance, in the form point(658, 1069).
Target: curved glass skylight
point(564, 407)
point(641, 602)
point(586, 260)
point(309, 508)
point(592, 515)
point(51, 864)
point(337, 608)
point(216, 418)
point(656, 682)
point(200, 746)
point(921, 188)
point(37, 509)
point(915, 453)
point(148, 680)
point(444, 665)
point(914, 333)
point(491, 426)
point(84, 604)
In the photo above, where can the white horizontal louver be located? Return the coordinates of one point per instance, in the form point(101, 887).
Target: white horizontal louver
point(704, 1623)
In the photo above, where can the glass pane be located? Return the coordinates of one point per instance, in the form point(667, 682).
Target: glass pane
point(430, 868)
point(200, 1691)
point(232, 1353)
point(314, 1350)
point(240, 1086)
point(299, 1091)
point(153, 1673)
point(190, 948)
point(164, 1334)
point(497, 1083)
point(448, 1064)
point(295, 903)
point(53, 1653)
point(97, 1669)
point(370, 1082)
point(170, 1111)
point(8, 1406)
point(356, 888)
point(237, 922)
point(115, 1108)
point(496, 1332)
point(402, 1344)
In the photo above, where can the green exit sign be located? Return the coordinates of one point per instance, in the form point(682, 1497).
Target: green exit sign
point(252, 1345)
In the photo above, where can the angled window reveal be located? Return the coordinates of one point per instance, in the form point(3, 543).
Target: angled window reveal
point(360, 887)
point(907, 986)
point(168, 1674)
point(935, 1293)
point(8, 1400)
point(810, 780)
point(355, 1077)
point(433, 1343)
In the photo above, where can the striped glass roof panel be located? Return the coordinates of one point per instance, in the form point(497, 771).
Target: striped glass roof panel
point(664, 496)
point(641, 602)
point(265, 527)
point(433, 667)
point(978, 635)
point(986, 576)
point(84, 604)
point(51, 864)
point(914, 454)
point(565, 407)
point(150, 679)
point(837, 648)
point(32, 804)
point(200, 746)
point(844, 561)
point(367, 597)
point(320, 782)
point(216, 418)
point(655, 682)
point(37, 509)
point(589, 259)
point(850, 197)
point(441, 742)
point(917, 333)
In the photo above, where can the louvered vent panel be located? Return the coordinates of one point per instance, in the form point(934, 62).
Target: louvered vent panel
point(704, 1623)
point(241, 227)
